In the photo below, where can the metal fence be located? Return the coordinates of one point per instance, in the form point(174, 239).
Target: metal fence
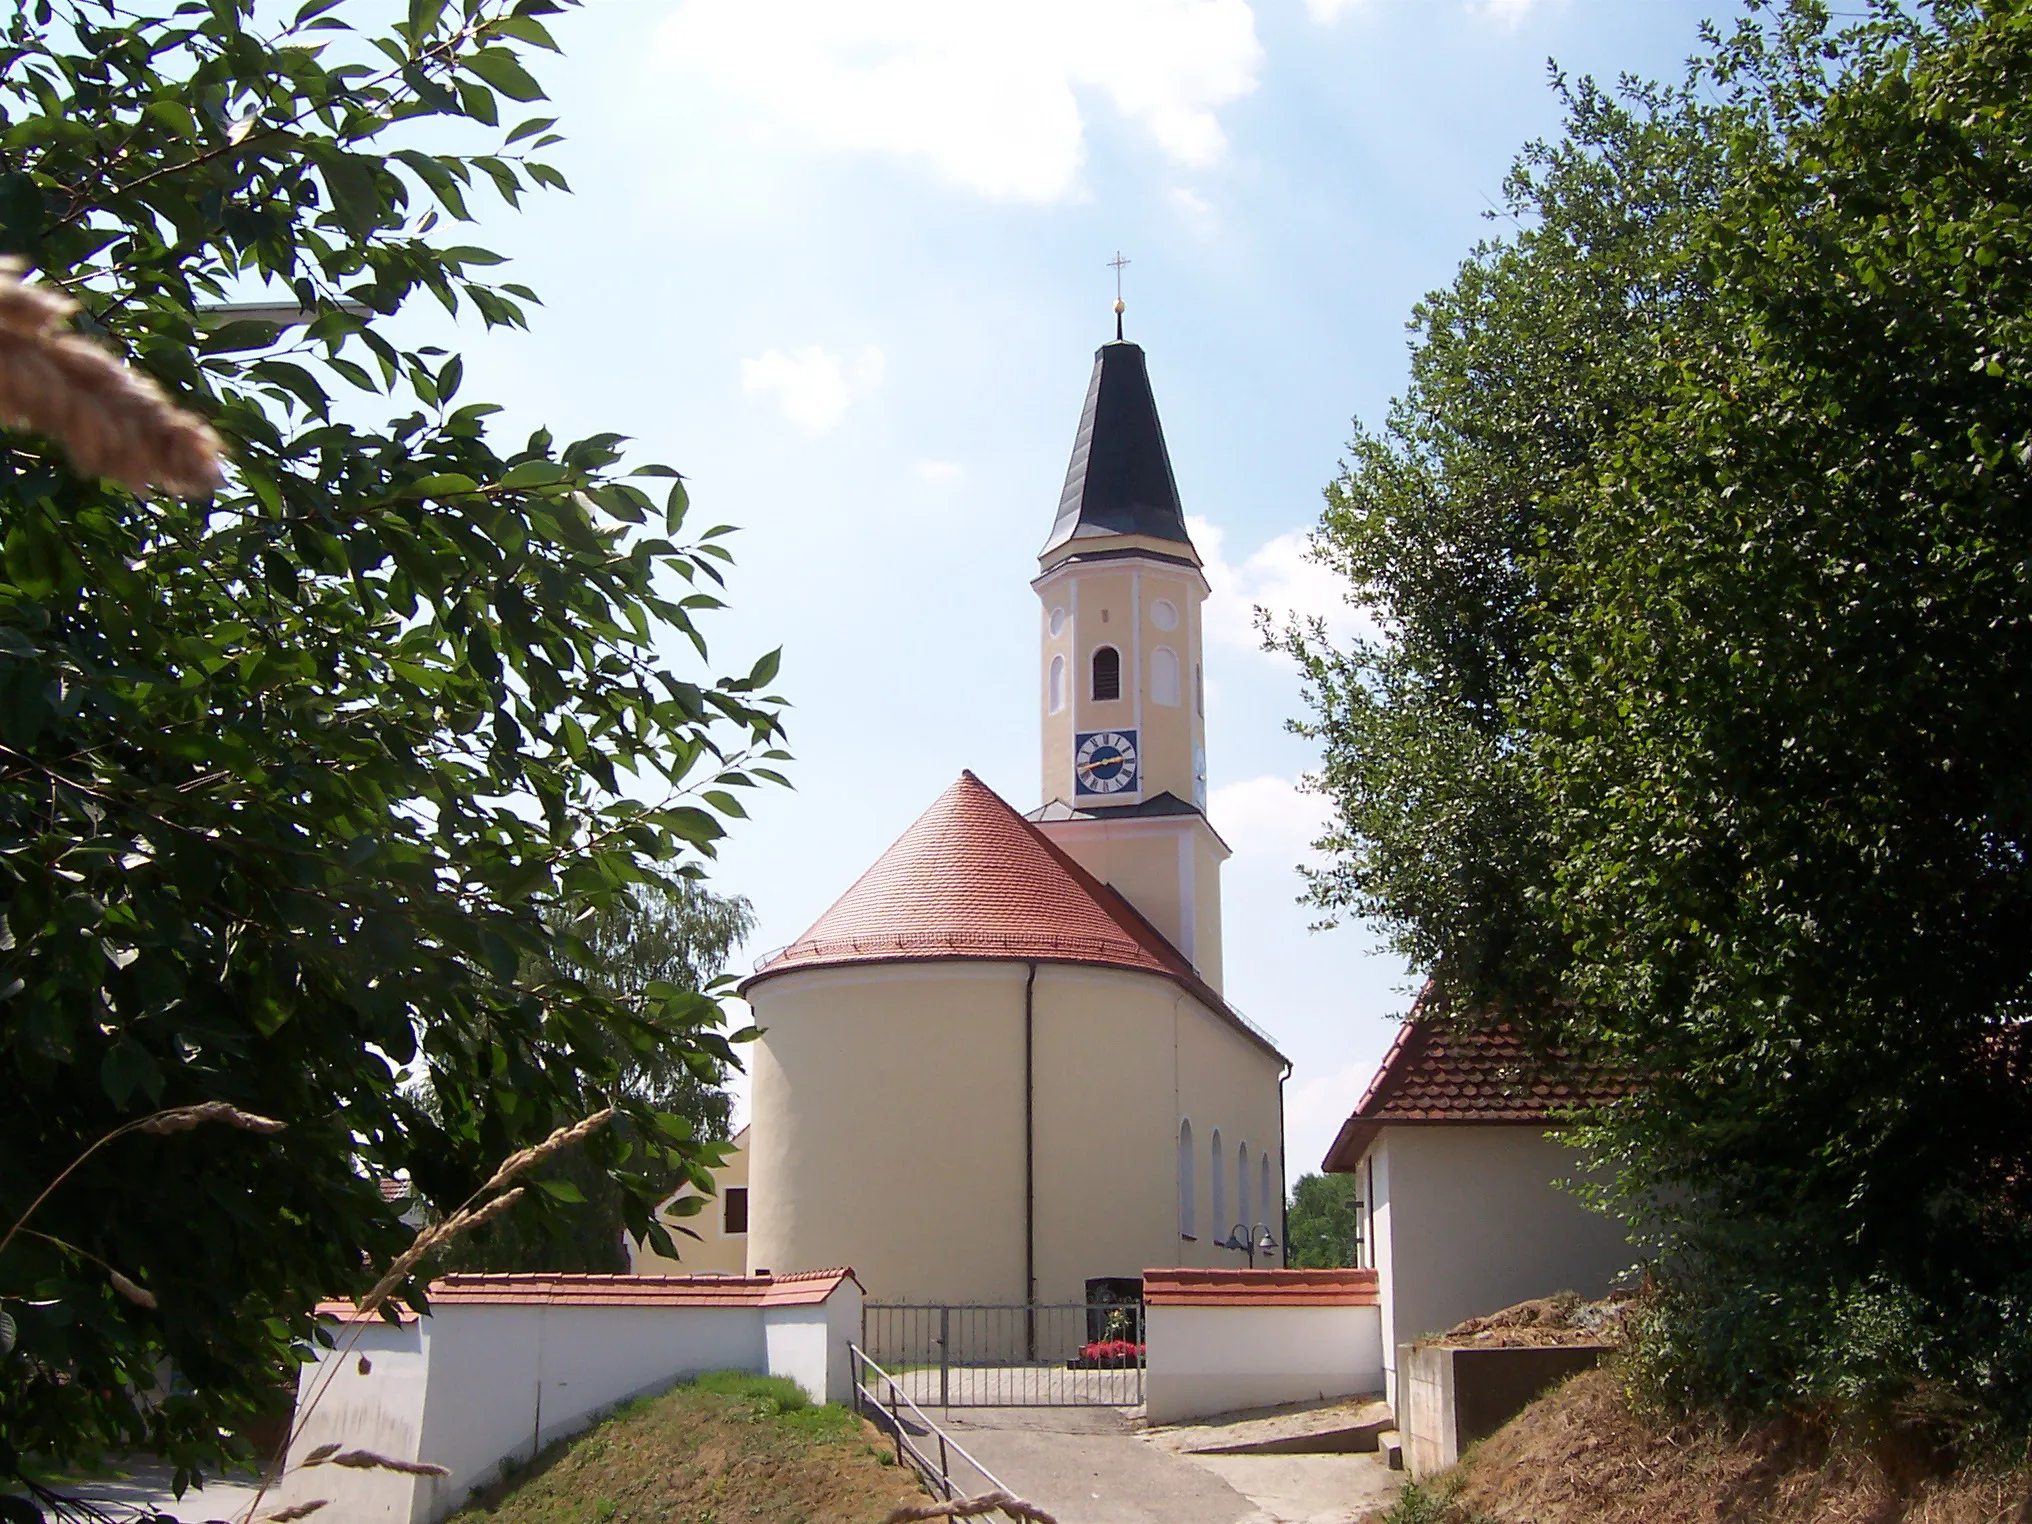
point(948, 1470)
point(1075, 1354)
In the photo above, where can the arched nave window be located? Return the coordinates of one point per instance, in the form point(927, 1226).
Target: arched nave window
point(1264, 1195)
point(1107, 674)
point(1057, 684)
point(1217, 1157)
point(1188, 1193)
point(1164, 677)
point(1242, 1185)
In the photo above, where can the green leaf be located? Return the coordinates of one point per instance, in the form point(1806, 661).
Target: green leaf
point(533, 473)
point(500, 68)
point(128, 1067)
point(424, 16)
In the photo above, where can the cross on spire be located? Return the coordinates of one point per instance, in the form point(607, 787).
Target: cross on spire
point(1117, 264)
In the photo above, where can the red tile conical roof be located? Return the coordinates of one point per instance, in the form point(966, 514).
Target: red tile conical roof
point(974, 879)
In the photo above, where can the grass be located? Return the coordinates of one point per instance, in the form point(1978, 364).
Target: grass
point(728, 1448)
point(1581, 1455)
point(1430, 1505)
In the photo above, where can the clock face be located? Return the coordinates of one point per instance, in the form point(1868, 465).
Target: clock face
point(1104, 761)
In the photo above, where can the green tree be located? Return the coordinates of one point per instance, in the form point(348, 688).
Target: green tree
point(674, 940)
point(294, 778)
point(1324, 1222)
point(682, 937)
point(1752, 807)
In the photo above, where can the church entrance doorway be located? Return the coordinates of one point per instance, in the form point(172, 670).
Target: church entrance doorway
point(1071, 1354)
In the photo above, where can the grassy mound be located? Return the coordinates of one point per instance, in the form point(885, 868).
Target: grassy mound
point(725, 1449)
point(1579, 1455)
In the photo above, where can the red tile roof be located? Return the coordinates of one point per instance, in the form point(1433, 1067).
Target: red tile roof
point(1260, 1288)
point(1483, 1075)
point(972, 879)
point(803, 1289)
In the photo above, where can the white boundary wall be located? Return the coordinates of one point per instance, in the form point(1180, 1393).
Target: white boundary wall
point(480, 1383)
point(1238, 1341)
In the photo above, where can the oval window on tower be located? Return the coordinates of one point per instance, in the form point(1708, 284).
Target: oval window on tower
point(1164, 614)
point(1164, 676)
point(1057, 690)
point(1057, 623)
point(1107, 674)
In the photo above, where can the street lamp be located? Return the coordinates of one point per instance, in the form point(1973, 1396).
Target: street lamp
point(1250, 1241)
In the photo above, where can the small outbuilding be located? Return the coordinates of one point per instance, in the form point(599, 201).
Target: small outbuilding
point(1460, 1177)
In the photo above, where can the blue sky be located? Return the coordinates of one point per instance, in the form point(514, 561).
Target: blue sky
point(845, 266)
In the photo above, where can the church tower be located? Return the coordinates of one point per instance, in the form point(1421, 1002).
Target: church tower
point(1123, 691)
point(1042, 993)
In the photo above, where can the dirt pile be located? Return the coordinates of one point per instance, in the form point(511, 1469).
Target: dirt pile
point(729, 1448)
point(1564, 1319)
point(1579, 1455)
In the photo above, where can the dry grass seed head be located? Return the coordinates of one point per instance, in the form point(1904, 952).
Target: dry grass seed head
point(368, 1460)
point(112, 420)
point(184, 1118)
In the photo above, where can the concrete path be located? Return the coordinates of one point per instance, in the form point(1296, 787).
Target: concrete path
point(1093, 1466)
point(144, 1486)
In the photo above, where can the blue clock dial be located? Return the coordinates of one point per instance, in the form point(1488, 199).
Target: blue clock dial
point(1104, 762)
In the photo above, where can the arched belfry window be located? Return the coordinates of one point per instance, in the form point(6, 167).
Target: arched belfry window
point(1164, 676)
point(1107, 674)
point(1217, 1157)
point(1057, 685)
point(1188, 1190)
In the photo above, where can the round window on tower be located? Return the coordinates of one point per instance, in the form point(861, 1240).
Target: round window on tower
point(1057, 623)
point(1164, 614)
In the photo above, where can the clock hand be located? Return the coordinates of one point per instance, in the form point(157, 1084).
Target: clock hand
point(1087, 767)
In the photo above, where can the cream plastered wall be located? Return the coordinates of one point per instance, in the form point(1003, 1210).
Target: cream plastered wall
point(1229, 1082)
point(1113, 603)
point(888, 1129)
point(1472, 1219)
point(714, 1251)
point(1167, 866)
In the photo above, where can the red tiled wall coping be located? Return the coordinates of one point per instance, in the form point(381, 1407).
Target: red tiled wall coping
point(805, 1288)
point(1260, 1288)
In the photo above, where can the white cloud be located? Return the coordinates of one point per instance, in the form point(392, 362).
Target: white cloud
point(1508, 14)
point(1277, 576)
point(1268, 816)
point(940, 473)
point(813, 387)
point(988, 93)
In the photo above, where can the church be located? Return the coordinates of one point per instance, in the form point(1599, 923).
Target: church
point(1000, 1069)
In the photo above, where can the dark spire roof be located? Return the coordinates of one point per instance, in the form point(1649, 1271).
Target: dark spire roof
point(1119, 482)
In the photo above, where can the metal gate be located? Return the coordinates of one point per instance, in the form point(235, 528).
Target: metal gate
point(1063, 1355)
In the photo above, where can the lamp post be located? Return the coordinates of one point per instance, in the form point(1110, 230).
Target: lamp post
point(1250, 1241)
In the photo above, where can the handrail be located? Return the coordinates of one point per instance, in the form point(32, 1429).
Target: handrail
point(941, 1477)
